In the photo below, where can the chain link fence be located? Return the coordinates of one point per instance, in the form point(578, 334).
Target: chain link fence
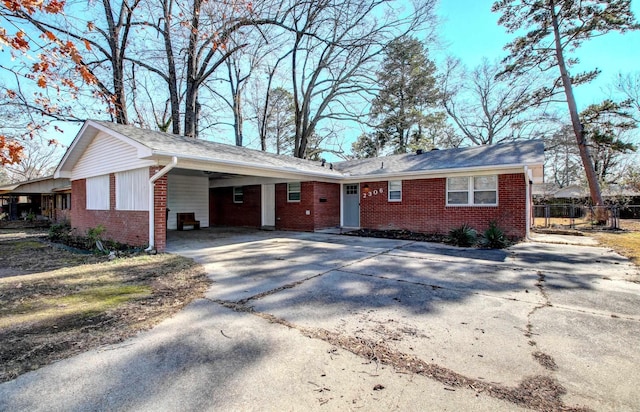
point(583, 216)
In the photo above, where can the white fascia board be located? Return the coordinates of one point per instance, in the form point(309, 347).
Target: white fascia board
point(433, 174)
point(244, 168)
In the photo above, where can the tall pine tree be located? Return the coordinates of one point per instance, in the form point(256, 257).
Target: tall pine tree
point(407, 90)
point(553, 29)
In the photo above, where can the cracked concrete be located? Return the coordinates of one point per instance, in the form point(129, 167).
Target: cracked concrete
point(505, 322)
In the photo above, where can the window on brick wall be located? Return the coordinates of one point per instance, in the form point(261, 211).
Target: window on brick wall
point(238, 194)
point(395, 191)
point(472, 190)
point(293, 192)
point(98, 192)
point(63, 201)
point(132, 190)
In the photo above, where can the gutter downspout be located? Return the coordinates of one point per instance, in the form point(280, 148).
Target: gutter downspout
point(152, 184)
point(527, 182)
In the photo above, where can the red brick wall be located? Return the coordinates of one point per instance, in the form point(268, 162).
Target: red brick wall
point(326, 214)
point(61, 215)
point(129, 227)
point(293, 215)
point(423, 208)
point(160, 211)
point(223, 212)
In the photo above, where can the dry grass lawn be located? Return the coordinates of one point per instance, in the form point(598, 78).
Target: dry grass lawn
point(625, 241)
point(55, 303)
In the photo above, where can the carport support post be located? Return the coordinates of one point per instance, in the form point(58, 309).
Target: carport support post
point(152, 206)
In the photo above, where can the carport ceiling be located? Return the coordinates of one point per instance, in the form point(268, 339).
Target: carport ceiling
point(210, 175)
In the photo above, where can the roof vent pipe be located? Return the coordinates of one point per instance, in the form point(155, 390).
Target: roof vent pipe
point(419, 152)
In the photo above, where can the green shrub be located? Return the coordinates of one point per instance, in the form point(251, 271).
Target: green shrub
point(94, 235)
point(60, 232)
point(494, 237)
point(463, 236)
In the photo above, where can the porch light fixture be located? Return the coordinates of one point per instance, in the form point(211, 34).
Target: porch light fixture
point(366, 189)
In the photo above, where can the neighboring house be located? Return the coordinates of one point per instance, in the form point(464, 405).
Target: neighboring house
point(579, 194)
point(135, 182)
point(44, 198)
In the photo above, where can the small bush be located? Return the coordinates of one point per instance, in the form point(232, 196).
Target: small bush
point(463, 236)
point(60, 232)
point(94, 235)
point(494, 237)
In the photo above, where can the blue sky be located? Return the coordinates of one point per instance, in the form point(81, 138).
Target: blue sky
point(471, 31)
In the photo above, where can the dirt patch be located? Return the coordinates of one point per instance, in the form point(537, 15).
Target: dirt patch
point(28, 251)
point(62, 303)
point(545, 360)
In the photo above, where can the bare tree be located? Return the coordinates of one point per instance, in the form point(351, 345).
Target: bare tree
point(333, 55)
point(103, 30)
point(485, 108)
point(562, 160)
point(39, 159)
point(628, 85)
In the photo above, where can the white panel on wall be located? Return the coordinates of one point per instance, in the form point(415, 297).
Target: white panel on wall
point(132, 189)
point(98, 193)
point(187, 194)
point(106, 154)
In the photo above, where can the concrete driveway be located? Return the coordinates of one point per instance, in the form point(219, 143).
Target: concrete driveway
point(300, 321)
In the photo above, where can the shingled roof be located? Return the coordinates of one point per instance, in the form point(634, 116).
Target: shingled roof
point(167, 144)
point(522, 153)
point(158, 145)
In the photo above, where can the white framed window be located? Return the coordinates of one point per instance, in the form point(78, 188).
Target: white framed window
point(132, 190)
point(238, 194)
point(97, 192)
point(293, 192)
point(395, 191)
point(472, 190)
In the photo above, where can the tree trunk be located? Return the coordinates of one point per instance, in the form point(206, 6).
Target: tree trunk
point(118, 97)
point(173, 78)
point(578, 129)
point(191, 95)
point(237, 117)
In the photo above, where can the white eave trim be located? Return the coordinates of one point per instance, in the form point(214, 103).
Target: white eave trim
point(430, 174)
point(238, 167)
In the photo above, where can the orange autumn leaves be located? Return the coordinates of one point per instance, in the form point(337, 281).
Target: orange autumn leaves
point(43, 71)
point(10, 151)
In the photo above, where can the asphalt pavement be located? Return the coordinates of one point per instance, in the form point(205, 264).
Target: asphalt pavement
point(280, 326)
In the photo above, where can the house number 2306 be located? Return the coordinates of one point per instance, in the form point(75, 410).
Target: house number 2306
point(373, 192)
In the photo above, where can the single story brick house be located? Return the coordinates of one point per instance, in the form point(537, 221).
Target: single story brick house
point(43, 198)
point(135, 182)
